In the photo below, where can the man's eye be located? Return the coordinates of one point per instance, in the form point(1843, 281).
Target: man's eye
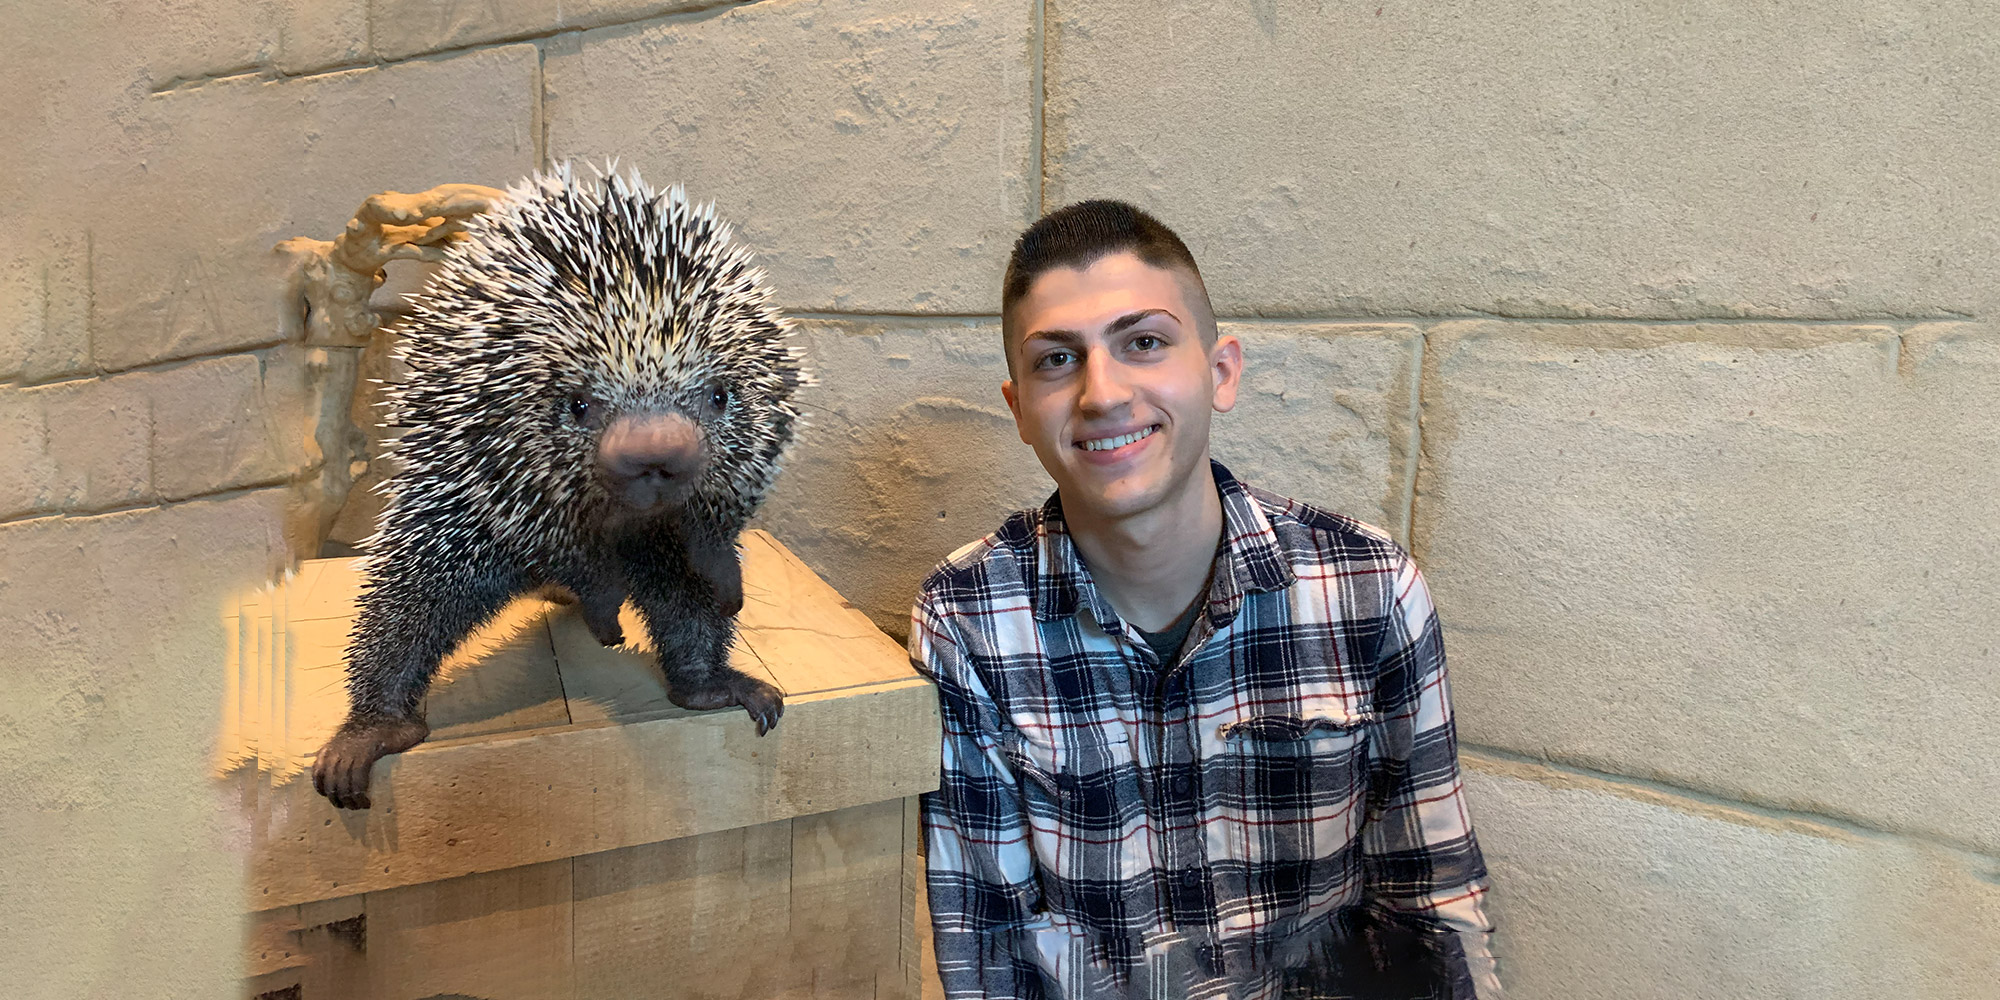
point(1147, 342)
point(1055, 359)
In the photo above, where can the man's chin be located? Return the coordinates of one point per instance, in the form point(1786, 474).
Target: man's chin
point(1115, 494)
point(1110, 499)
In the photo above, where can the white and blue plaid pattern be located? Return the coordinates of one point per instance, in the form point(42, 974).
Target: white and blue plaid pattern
point(1276, 814)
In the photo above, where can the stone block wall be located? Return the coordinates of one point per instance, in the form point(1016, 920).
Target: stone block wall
point(1664, 335)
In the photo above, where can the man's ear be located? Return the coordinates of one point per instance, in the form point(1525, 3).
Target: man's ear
point(1225, 362)
point(1008, 392)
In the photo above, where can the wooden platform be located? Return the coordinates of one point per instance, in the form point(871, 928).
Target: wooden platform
point(567, 831)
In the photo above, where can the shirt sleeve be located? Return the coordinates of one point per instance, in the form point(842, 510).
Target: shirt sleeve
point(981, 877)
point(1423, 869)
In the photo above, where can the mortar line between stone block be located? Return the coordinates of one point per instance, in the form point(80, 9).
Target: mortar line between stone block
point(47, 308)
point(897, 318)
point(1412, 461)
point(162, 364)
point(538, 118)
point(1651, 790)
point(267, 71)
point(1874, 319)
point(152, 446)
point(89, 298)
point(1421, 319)
point(1647, 321)
point(161, 504)
point(1038, 113)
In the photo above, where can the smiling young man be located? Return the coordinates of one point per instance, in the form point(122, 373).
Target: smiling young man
point(1197, 736)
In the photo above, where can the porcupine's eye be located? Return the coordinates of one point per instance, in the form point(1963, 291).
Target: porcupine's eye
point(718, 398)
point(578, 408)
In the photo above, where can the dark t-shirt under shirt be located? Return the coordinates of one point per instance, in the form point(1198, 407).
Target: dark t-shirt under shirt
point(1167, 642)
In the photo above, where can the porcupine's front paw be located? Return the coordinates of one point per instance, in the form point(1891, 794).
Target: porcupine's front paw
point(733, 687)
point(724, 575)
point(602, 620)
point(340, 771)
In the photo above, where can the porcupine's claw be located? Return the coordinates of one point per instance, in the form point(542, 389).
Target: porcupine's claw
point(341, 768)
point(764, 703)
point(734, 687)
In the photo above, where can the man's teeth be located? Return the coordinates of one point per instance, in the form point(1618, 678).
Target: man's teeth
point(1106, 444)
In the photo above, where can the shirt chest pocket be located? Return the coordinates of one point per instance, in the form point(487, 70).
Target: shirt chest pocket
point(1302, 767)
point(1085, 779)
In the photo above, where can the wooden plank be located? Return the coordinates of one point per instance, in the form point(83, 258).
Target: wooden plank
point(927, 969)
point(328, 911)
point(623, 682)
point(797, 909)
point(316, 661)
point(697, 917)
point(809, 637)
point(805, 659)
point(502, 935)
point(501, 679)
point(504, 782)
point(905, 981)
point(315, 664)
point(796, 631)
point(278, 687)
point(232, 743)
point(283, 984)
point(847, 886)
point(327, 588)
point(778, 588)
point(450, 808)
point(317, 949)
point(272, 943)
point(257, 663)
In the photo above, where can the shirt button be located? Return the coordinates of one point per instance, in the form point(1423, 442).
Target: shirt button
point(1191, 877)
point(1181, 786)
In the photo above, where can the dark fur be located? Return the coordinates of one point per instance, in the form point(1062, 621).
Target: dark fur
point(638, 304)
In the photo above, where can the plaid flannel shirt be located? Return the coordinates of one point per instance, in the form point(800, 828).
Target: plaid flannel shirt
point(1277, 813)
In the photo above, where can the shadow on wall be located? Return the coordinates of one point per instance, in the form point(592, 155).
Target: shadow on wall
point(908, 453)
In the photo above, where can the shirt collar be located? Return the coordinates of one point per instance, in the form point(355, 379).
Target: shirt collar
point(1250, 559)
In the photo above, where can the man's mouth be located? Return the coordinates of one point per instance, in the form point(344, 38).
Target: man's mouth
point(1109, 443)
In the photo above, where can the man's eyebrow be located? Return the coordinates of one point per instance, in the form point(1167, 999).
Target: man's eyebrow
point(1131, 319)
point(1054, 336)
point(1118, 325)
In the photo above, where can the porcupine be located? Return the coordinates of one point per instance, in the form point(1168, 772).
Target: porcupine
point(598, 395)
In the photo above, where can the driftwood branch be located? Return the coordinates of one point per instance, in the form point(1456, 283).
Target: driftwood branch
point(332, 280)
point(325, 287)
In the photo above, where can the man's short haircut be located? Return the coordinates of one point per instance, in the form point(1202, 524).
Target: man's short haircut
point(1078, 235)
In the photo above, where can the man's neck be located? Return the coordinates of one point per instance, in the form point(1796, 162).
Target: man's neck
point(1153, 564)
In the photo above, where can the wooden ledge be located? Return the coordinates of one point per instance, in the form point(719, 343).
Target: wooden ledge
point(546, 745)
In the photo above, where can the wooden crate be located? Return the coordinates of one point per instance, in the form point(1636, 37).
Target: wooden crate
point(567, 831)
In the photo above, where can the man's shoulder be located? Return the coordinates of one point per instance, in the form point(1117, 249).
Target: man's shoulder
point(1310, 533)
point(976, 573)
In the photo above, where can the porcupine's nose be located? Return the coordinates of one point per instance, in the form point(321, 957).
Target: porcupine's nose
point(650, 457)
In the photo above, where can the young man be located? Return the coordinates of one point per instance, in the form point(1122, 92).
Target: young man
point(1197, 736)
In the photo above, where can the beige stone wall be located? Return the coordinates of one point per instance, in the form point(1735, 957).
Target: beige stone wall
point(1664, 333)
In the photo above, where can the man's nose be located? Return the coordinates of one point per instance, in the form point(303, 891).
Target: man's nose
point(1106, 384)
